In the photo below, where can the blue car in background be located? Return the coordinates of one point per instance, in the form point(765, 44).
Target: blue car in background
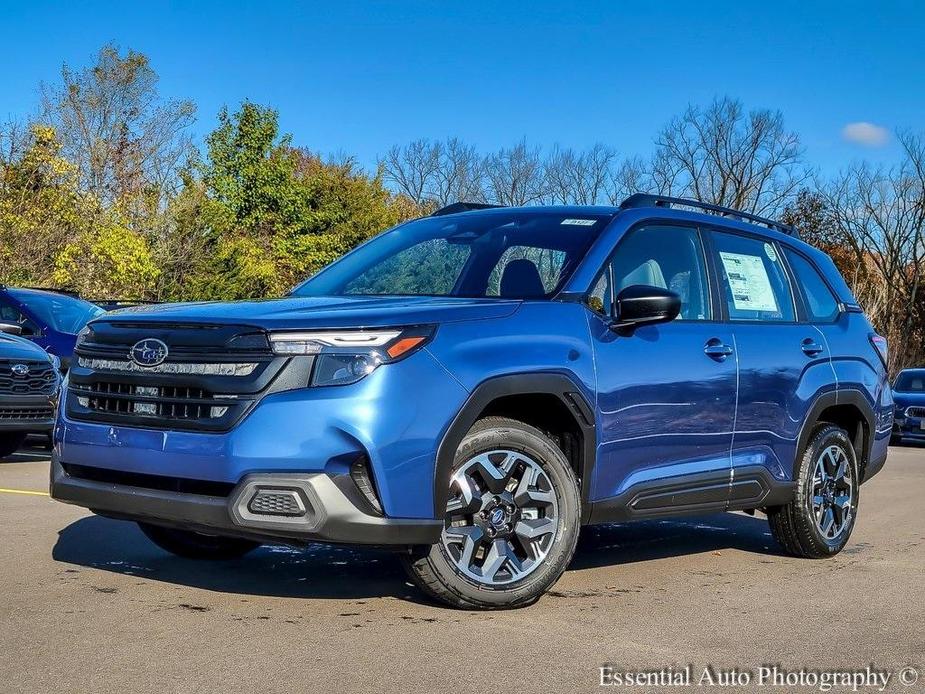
point(472, 387)
point(909, 396)
point(48, 318)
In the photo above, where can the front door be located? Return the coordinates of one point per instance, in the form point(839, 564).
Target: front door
point(667, 392)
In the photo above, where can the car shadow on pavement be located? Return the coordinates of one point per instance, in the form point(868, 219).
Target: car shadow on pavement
point(626, 543)
point(322, 571)
point(317, 571)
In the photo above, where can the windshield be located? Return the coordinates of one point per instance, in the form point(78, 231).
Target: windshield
point(519, 255)
point(63, 313)
point(910, 382)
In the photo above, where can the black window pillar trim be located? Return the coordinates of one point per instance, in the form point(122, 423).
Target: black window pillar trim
point(558, 384)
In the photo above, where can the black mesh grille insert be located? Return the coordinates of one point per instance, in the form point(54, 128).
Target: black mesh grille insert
point(39, 379)
point(27, 414)
point(160, 401)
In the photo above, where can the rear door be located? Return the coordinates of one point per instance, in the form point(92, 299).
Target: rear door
point(784, 361)
point(667, 392)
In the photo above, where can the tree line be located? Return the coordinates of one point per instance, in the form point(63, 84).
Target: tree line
point(103, 191)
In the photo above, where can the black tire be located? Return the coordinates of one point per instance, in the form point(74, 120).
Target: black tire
point(796, 526)
point(192, 545)
point(434, 570)
point(10, 442)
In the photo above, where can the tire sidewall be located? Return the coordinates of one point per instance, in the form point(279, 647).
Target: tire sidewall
point(826, 437)
point(522, 439)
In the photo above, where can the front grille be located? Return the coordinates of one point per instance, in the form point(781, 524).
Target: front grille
point(915, 411)
point(25, 414)
point(160, 482)
point(40, 379)
point(157, 401)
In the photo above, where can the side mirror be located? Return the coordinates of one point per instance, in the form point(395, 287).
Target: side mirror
point(10, 329)
point(640, 304)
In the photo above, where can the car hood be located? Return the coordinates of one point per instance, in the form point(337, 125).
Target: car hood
point(14, 347)
point(903, 400)
point(320, 312)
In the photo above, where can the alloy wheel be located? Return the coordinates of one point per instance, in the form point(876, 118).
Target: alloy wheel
point(833, 492)
point(501, 517)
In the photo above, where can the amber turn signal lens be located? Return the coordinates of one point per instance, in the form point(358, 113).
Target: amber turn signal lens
point(404, 345)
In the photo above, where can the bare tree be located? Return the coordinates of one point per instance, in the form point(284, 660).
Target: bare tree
point(579, 178)
point(880, 216)
point(459, 175)
point(514, 176)
point(412, 168)
point(124, 139)
point(725, 156)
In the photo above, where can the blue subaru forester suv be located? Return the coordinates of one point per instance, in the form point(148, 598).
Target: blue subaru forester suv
point(474, 386)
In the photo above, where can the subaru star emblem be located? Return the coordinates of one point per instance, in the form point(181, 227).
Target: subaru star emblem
point(148, 352)
point(20, 369)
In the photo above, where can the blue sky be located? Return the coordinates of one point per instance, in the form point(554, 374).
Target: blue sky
point(356, 77)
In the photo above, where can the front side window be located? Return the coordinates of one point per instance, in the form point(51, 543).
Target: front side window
point(754, 282)
point(509, 255)
point(821, 305)
point(667, 257)
point(11, 314)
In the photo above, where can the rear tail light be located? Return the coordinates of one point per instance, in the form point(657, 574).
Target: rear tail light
point(879, 343)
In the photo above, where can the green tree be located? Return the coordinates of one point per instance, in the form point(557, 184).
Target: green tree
point(267, 214)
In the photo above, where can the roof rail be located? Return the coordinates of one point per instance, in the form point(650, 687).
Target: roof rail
point(646, 200)
point(462, 207)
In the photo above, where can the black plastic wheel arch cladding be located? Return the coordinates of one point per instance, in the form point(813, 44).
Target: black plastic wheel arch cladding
point(866, 432)
point(559, 385)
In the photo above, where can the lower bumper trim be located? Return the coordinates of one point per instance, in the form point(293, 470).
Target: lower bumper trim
point(330, 516)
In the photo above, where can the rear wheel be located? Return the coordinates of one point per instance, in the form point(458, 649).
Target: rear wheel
point(10, 442)
point(511, 521)
point(193, 545)
point(819, 521)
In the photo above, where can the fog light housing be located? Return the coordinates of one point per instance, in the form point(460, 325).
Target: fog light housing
point(360, 474)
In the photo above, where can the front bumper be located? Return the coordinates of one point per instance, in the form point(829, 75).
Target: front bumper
point(28, 413)
point(322, 508)
point(909, 428)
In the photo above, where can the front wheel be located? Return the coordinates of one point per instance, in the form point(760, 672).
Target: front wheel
point(819, 521)
point(10, 442)
point(193, 545)
point(511, 521)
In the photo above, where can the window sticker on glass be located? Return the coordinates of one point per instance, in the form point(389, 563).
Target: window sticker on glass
point(580, 222)
point(749, 282)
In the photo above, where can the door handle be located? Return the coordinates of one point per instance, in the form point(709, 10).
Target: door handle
point(716, 349)
point(811, 348)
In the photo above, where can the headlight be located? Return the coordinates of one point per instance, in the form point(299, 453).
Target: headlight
point(56, 361)
point(82, 336)
point(346, 356)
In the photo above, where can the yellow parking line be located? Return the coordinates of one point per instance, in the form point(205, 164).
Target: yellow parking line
point(22, 491)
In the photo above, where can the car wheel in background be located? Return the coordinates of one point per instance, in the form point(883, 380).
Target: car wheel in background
point(10, 442)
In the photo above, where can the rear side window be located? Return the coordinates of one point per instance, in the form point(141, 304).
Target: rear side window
point(821, 304)
point(753, 279)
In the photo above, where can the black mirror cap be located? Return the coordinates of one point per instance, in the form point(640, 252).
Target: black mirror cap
point(10, 329)
point(641, 304)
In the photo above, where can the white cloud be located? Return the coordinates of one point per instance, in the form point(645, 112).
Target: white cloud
point(866, 134)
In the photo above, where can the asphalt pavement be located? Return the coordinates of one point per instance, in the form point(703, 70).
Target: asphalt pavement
point(87, 604)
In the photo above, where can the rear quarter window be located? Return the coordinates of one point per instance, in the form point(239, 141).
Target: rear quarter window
point(821, 304)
